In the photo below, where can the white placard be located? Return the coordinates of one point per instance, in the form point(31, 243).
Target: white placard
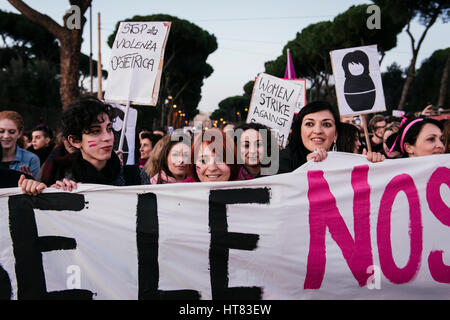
point(273, 104)
point(136, 62)
point(128, 147)
point(357, 77)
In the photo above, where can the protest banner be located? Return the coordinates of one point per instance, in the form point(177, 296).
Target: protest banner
point(357, 78)
point(136, 64)
point(343, 228)
point(273, 104)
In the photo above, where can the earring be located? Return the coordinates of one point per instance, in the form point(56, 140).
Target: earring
point(334, 146)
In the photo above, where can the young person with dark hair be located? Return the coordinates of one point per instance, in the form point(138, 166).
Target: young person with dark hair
point(254, 141)
point(314, 133)
point(148, 141)
point(419, 137)
point(42, 144)
point(376, 127)
point(87, 126)
point(348, 139)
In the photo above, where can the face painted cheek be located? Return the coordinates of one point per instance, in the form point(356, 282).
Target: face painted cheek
point(92, 143)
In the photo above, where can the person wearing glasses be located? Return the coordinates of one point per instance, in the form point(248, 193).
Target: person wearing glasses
point(376, 127)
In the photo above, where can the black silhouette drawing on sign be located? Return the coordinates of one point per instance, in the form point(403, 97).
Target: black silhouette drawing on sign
point(359, 89)
point(117, 130)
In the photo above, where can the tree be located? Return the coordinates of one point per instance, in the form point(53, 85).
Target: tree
point(310, 48)
point(232, 109)
point(444, 91)
point(427, 85)
point(70, 44)
point(393, 79)
point(428, 12)
point(187, 49)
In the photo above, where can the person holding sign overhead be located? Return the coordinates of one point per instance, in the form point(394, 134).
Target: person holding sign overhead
point(314, 133)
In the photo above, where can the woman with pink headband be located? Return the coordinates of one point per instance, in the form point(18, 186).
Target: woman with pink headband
point(419, 137)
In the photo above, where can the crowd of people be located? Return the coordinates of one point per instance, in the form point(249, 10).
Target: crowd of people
point(82, 152)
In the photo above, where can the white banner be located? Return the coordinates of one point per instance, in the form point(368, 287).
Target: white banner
point(340, 229)
point(136, 62)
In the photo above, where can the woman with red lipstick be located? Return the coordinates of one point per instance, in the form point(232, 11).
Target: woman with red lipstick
point(314, 133)
point(87, 126)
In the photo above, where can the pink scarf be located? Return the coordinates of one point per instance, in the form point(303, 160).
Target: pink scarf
point(164, 178)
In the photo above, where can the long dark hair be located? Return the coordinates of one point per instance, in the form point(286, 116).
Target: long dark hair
point(347, 137)
point(296, 146)
point(409, 132)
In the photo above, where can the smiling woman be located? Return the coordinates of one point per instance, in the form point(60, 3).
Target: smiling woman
point(214, 157)
point(13, 157)
point(314, 134)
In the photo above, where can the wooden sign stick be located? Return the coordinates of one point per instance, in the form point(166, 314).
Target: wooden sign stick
point(366, 132)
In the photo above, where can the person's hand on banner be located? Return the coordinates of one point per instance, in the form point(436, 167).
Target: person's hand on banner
point(318, 155)
point(65, 184)
point(30, 186)
point(374, 156)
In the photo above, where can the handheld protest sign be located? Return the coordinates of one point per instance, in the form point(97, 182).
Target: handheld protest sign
point(273, 104)
point(301, 102)
point(136, 62)
point(357, 77)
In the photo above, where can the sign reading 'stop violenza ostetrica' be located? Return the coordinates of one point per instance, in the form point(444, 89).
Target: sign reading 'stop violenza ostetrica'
point(273, 103)
point(136, 62)
point(359, 89)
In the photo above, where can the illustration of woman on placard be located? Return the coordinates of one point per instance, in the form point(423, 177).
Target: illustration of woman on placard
point(359, 89)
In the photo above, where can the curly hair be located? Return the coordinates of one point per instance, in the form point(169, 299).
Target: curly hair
point(81, 115)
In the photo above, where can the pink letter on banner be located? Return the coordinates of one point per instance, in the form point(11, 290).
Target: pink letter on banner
point(439, 271)
point(396, 275)
point(324, 213)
